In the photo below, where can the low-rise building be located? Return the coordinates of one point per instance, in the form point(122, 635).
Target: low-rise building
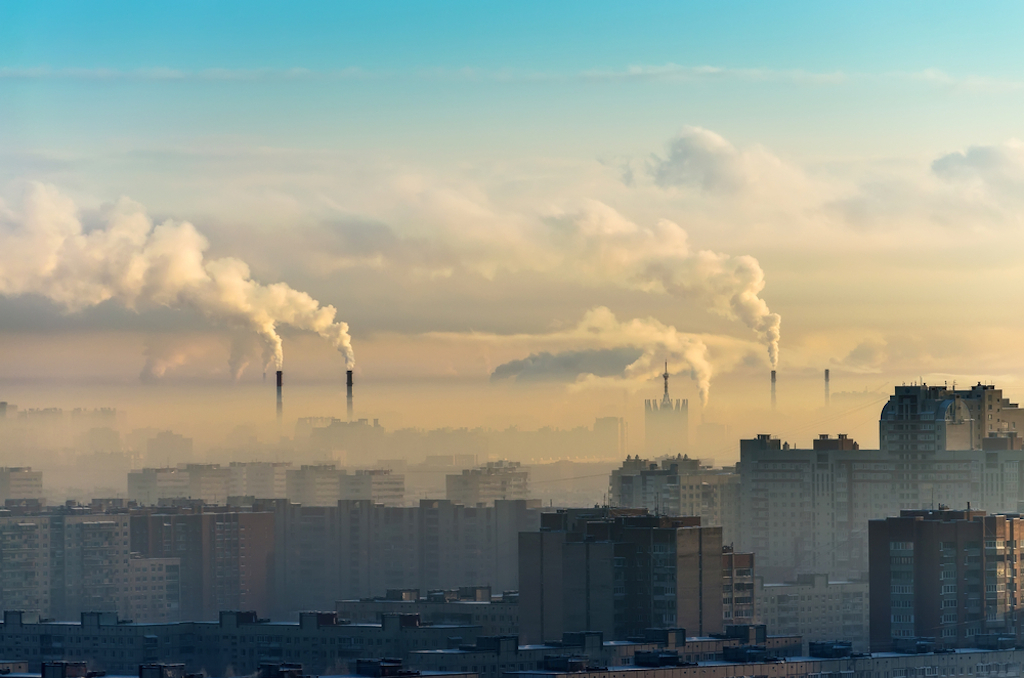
point(493, 657)
point(470, 605)
point(236, 644)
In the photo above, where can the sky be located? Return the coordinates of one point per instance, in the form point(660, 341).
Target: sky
point(527, 207)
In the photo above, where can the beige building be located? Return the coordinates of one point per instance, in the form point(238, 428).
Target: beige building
point(259, 479)
point(505, 480)
point(149, 485)
point(154, 590)
point(20, 482)
point(815, 608)
point(381, 486)
point(679, 486)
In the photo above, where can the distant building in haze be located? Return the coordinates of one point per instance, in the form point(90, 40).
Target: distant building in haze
point(679, 486)
point(20, 482)
point(666, 424)
point(498, 480)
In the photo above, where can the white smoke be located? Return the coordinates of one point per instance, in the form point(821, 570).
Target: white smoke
point(600, 329)
point(606, 245)
point(45, 250)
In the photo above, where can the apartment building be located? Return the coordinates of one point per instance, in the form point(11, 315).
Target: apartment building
point(739, 605)
point(815, 608)
point(149, 485)
point(679, 486)
point(806, 511)
point(235, 644)
point(496, 481)
point(259, 479)
point(360, 549)
point(946, 574)
point(226, 557)
point(154, 590)
point(20, 482)
point(619, 571)
point(380, 486)
point(467, 605)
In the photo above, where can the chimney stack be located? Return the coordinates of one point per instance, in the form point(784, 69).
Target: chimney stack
point(280, 402)
point(348, 397)
point(828, 397)
point(773, 389)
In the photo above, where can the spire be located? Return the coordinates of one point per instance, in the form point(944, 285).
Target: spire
point(666, 399)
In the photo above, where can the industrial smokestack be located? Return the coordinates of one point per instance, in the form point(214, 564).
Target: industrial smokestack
point(280, 402)
point(828, 397)
point(773, 389)
point(348, 397)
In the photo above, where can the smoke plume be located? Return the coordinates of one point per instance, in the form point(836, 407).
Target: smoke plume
point(45, 250)
point(657, 258)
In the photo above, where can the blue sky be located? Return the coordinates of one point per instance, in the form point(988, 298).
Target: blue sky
point(468, 67)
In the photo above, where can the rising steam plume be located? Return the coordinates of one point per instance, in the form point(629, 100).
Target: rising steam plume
point(45, 250)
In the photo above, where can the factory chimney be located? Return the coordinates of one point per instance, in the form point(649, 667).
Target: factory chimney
point(828, 397)
point(348, 397)
point(280, 402)
point(773, 389)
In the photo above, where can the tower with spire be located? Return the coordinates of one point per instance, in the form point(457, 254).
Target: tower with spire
point(666, 424)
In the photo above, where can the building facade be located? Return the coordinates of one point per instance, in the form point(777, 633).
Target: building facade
point(619, 571)
point(497, 480)
point(680, 486)
point(20, 482)
point(816, 608)
point(945, 574)
point(806, 511)
point(359, 549)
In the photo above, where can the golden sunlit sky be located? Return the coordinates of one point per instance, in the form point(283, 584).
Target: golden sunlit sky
point(509, 215)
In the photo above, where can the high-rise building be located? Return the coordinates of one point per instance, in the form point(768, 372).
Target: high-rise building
point(815, 607)
point(946, 574)
point(154, 590)
point(20, 482)
point(149, 485)
point(314, 485)
point(226, 557)
point(932, 418)
point(361, 549)
point(806, 511)
point(497, 480)
point(679, 486)
point(380, 486)
point(259, 479)
point(619, 571)
point(666, 424)
point(739, 606)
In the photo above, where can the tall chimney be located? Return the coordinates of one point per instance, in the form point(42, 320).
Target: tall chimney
point(348, 397)
point(280, 402)
point(773, 389)
point(828, 397)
